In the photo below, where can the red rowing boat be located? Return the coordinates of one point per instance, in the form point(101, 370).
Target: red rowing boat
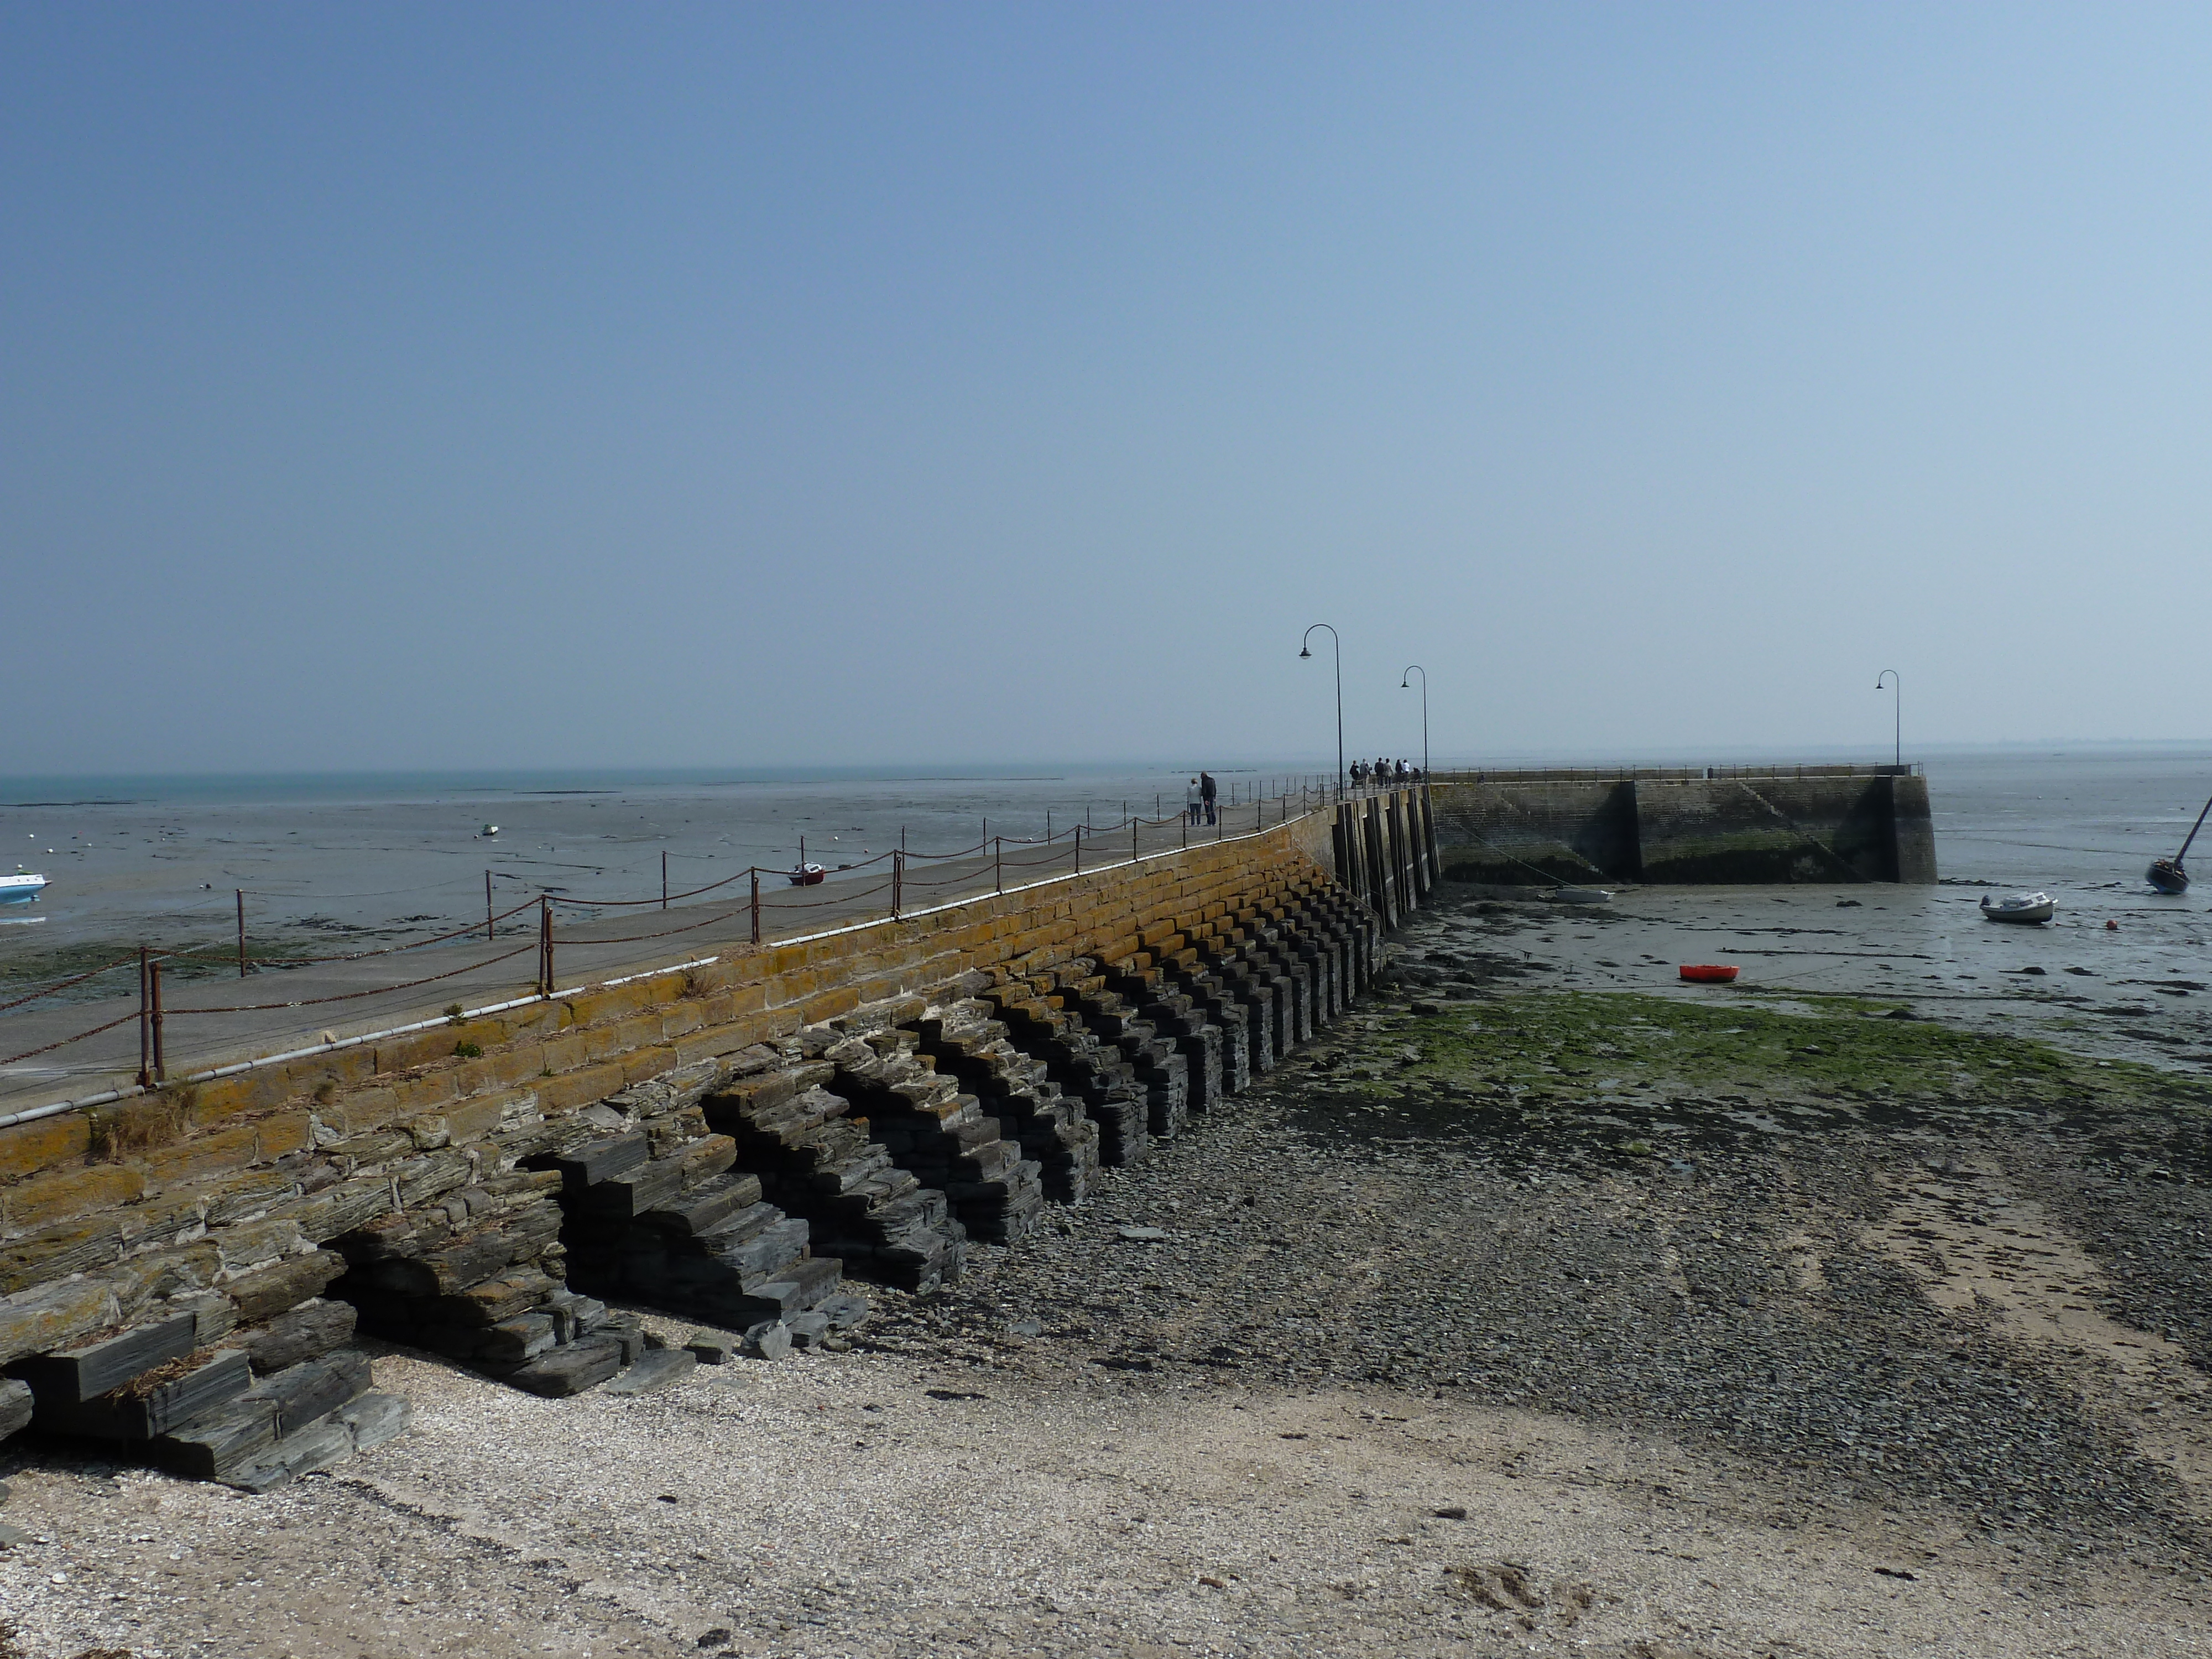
point(1709, 973)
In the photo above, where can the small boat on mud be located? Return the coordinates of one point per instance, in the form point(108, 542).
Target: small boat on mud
point(1709, 972)
point(2019, 907)
point(1581, 896)
point(807, 875)
point(2169, 875)
point(22, 887)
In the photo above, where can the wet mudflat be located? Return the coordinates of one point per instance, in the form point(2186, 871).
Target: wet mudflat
point(1855, 1260)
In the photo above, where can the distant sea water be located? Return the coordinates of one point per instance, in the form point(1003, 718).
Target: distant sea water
point(396, 855)
point(399, 855)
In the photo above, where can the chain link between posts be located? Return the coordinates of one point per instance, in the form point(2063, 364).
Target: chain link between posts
point(994, 857)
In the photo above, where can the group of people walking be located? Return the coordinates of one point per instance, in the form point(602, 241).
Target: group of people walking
point(1201, 799)
point(1383, 773)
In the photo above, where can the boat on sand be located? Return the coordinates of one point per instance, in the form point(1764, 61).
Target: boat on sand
point(2019, 907)
point(2171, 876)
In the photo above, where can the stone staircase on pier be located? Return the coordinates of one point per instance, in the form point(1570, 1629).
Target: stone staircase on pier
point(818, 1160)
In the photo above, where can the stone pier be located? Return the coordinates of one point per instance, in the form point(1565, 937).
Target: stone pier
point(747, 1143)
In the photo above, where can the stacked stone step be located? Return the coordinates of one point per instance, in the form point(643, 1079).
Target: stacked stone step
point(1344, 929)
point(1322, 944)
point(967, 1041)
point(257, 1405)
point(1230, 976)
point(1093, 1072)
point(1178, 1017)
point(684, 1233)
point(1265, 976)
point(1157, 1061)
point(934, 1131)
point(649, 1202)
point(1268, 942)
point(1183, 973)
point(819, 1162)
point(480, 1276)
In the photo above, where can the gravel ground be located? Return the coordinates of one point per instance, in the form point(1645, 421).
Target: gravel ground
point(1409, 1352)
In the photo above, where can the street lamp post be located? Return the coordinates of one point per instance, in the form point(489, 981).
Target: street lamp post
point(1405, 684)
point(1305, 649)
point(1897, 685)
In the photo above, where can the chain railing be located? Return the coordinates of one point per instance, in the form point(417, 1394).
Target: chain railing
point(905, 883)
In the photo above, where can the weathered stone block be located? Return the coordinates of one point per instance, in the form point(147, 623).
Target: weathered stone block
point(140, 1412)
point(513, 1341)
point(74, 1376)
point(253, 1242)
point(233, 1437)
point(376, 1418)
point(16, 1403)
point(268, 1292)
point(307, 1332)
point(633, 1192)
point(654, 1370)
point(300, 1393)
point(28, 1148)
point(571, 1369)
point(70, 1194)
point(54, 1253)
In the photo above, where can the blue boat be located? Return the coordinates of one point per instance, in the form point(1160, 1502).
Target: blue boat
point(21, 887)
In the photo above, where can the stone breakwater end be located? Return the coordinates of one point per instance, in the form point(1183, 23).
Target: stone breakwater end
point(1786, 824)
point(727, 1143)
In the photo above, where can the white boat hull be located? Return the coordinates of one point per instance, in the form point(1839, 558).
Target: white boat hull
point(21, 890)
point(2020, 906)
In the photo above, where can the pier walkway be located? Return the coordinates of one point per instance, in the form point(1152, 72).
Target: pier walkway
point(54, 1051)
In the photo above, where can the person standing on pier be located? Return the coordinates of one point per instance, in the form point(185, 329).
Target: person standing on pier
point(1192, 801)
point(1209, 791)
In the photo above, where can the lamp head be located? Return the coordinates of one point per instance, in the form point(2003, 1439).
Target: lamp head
point(1302, 652)
point(1405, 686)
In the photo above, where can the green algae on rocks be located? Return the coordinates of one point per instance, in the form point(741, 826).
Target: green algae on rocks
point(1581, 1042)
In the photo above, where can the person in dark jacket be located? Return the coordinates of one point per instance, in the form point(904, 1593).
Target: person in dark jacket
point(1209, 791)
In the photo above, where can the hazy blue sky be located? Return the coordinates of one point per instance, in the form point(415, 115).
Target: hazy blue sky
point(389, 385)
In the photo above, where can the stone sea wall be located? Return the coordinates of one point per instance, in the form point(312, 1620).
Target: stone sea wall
point(1796, 825)
point(187, 1271)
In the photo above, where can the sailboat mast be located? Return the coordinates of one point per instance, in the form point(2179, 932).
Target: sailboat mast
point(2199, 824)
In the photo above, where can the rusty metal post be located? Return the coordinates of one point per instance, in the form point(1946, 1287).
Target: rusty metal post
point(754, 873)
point(161, 1069)
point(241, 932)
point(998, 863)
point(1134, 853)
point(145, 1025)
point(1079, 849)
point(898, 876)
point(664, 879)
point(544, 946)
point(487, 933)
